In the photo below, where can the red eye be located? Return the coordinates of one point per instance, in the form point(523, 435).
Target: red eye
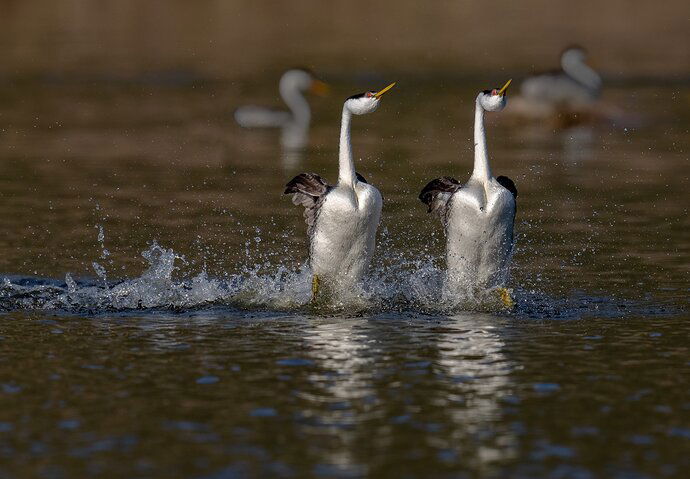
point(369, 94)
point(494, 92)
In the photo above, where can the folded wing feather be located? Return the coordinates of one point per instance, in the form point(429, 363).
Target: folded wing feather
point(308, 190)
point(437, 193)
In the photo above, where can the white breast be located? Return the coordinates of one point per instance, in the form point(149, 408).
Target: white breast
point(343, 242)
point(479, 237)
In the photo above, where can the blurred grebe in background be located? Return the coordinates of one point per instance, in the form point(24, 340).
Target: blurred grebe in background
point(294, 124)
point(342, 219)
point(574, 84)
point(478, 218)
point(565, 97)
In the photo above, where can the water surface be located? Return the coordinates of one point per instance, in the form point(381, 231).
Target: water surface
point(203, 358)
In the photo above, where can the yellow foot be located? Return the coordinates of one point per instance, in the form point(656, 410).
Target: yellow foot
point(314, 287)
point(506, 298)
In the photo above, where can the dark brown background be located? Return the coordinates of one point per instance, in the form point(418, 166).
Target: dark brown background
point(238, 39)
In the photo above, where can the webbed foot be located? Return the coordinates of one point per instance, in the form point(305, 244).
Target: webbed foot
point(315, 282)
point(506, 298)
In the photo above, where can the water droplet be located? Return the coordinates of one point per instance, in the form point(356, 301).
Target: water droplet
point(208, 380)
point(263, 412)
point(294, 362)
point(69, 424)
point(546, 387)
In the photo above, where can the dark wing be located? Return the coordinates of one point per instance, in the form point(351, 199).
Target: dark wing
point(308, 190)
point(436, 195)
point(508, 184)
point(361, 179)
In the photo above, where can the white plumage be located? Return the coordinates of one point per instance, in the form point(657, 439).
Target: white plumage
point(478, 217)
point(479, 236)
point(343, 242)
point(342, 219)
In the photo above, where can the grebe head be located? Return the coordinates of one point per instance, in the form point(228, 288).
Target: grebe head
point(573, 63)
point(573, 54)
point(494, 99)
point(303, 80)
point(367, 102)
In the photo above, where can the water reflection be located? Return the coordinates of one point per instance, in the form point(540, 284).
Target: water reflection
point(472, 358)
point(578, 142)
point(345, 365)
point(389, 394)
point(408, 395)
point(441, 378)
point(292, 159)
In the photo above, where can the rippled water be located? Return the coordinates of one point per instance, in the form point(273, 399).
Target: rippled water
point(155, 305)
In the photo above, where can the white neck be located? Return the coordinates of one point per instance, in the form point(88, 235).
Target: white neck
point(580, 72)
point(346, 175)
point(298, 105)
point(481, 171)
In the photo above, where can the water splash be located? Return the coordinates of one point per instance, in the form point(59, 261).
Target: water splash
point(396, 283)
point(402, 286)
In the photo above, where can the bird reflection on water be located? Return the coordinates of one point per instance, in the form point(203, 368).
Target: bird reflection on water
point(376, 374)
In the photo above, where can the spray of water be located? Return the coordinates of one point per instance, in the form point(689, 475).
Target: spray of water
point(396, 283)
point(399, 287)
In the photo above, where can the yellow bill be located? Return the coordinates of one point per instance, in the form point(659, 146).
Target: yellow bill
point(380, 93)
point(505, 87)
point(319, 88)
